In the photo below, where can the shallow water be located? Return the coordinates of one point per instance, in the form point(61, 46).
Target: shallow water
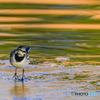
point(47, 81)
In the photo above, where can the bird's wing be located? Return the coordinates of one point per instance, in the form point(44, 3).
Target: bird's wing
point(28, 49)
point(12, 53)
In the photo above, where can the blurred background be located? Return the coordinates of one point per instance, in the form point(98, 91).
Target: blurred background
point(51, 28)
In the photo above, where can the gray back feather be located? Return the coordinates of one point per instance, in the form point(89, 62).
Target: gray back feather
point(12, 53)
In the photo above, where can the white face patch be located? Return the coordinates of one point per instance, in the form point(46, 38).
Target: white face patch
point(20, 53)
point(22, 49)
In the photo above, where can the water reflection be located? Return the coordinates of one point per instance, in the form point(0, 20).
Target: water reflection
point(19, 90)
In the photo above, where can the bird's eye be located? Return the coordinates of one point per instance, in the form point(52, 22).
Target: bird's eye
point(18, 49)
point(22, 50)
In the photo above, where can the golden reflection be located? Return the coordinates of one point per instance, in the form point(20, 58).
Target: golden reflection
point(19, 90)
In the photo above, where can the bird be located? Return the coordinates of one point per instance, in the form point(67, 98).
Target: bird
point(19, 59)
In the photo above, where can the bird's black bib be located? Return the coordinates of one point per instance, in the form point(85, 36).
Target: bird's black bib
point(18, 59)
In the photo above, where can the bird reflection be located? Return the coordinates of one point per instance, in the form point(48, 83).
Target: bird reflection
point(19, 90)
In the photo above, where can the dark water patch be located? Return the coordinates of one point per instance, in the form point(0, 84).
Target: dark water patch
point(55, 21)
point(46, 6)
point(86, 59)
point(56, 30)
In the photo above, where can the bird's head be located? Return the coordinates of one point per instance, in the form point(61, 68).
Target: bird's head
point(21, 51)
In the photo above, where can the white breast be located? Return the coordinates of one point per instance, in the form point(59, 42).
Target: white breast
point(21, 64)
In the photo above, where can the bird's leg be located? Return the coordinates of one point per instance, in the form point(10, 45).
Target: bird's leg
point(15, 75)
point(22, 75)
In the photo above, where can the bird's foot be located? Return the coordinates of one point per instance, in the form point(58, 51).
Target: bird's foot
point(23, 77)
point(15, 76)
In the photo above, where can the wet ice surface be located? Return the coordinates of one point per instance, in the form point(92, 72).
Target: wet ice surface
point(49, 81)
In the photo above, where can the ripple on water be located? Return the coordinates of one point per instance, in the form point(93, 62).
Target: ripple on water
point(3, 74)
point(98, 83)
point(62, 59)
point(8, 67)
point(4, 61)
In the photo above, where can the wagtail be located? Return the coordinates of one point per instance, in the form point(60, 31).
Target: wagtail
point(19, 59)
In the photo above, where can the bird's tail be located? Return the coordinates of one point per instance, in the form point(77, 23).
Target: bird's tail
point(28, 49)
